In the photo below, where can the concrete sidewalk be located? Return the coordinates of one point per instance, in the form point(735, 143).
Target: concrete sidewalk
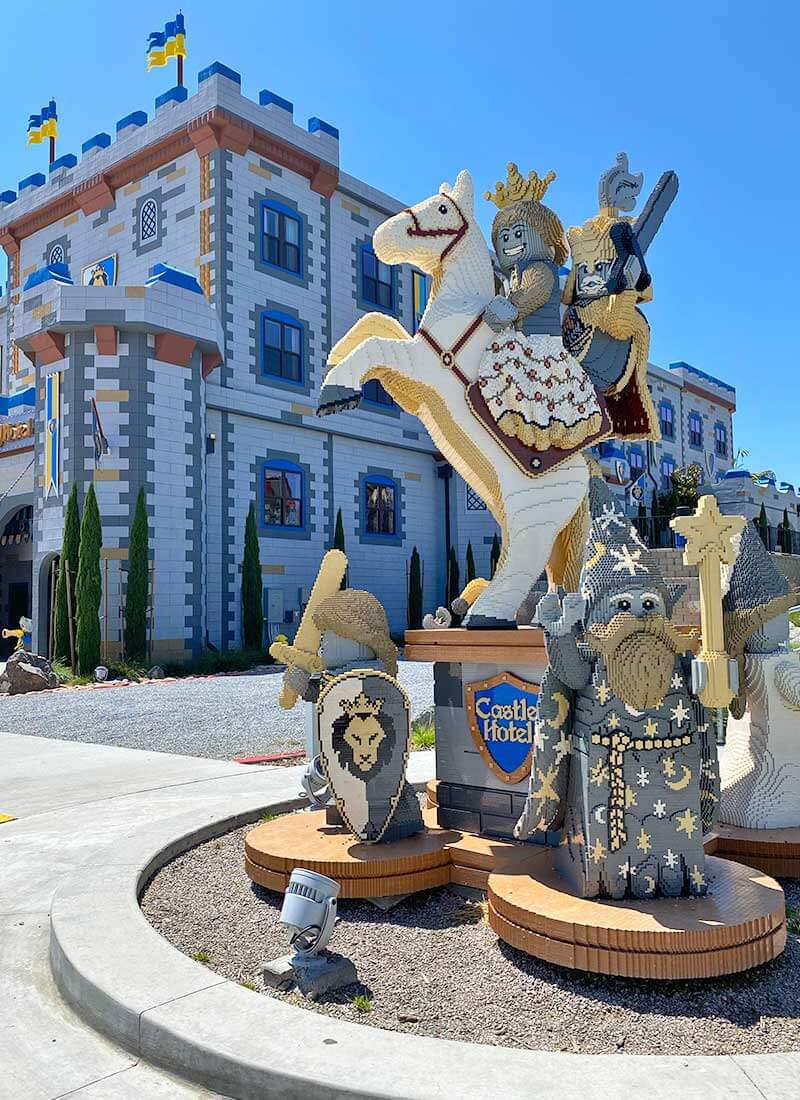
point(71, 800)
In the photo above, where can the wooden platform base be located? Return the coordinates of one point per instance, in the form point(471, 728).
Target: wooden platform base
point(740, 924)
point(436, 857)
point(774, 851)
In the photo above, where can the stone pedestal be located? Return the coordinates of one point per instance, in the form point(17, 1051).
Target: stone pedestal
point(471, 794)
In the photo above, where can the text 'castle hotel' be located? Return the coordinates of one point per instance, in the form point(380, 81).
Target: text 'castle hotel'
point(207, 399)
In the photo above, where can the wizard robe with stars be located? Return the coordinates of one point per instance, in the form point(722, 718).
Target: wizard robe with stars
point(624, 760)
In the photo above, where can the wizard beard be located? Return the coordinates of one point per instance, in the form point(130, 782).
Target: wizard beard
point(639, 655)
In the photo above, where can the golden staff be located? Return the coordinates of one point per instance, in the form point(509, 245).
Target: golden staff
point(709, 543)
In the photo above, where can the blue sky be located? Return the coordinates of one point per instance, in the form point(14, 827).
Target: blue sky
point(421, 91)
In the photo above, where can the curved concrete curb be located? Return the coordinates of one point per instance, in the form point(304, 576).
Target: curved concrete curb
point(127, 981)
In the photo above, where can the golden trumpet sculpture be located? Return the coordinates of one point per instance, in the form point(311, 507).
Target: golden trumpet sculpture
point(709, 543)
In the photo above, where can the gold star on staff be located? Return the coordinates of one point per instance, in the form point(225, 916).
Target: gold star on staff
point(603, 692)
point(598, 851)
point(613, 721)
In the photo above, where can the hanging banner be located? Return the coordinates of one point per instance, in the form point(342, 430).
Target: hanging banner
point(100, 442)
point(52, 434)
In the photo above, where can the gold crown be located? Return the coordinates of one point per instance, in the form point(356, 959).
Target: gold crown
point(361, 705)
point(517, 189)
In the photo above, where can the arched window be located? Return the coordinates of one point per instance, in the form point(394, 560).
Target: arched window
point(283, 494)
point(475, 503)
point(56, 254)
point(148, 221)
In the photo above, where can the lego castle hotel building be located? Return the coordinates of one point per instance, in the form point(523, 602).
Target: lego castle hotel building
point(172, 295)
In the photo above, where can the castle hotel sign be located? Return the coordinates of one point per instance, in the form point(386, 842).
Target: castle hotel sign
point(502, 717)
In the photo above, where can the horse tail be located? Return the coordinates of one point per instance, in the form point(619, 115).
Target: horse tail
point(566, 560)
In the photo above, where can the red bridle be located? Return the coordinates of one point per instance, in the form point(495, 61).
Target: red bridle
point(456, 234)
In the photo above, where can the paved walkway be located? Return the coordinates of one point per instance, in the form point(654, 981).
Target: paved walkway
point(69, 801)
point(219, 717)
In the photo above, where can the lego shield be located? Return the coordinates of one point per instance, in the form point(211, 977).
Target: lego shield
point(502, 717)
point(364, 741)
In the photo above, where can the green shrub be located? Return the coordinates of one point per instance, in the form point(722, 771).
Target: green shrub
point(137, 585)
point(415, 592)
point(69, 553)
point(471, 573)
point(252, 587)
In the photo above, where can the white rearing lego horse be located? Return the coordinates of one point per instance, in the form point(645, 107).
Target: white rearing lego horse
point(427, 375)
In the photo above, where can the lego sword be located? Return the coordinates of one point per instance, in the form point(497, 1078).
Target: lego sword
point(302, 653)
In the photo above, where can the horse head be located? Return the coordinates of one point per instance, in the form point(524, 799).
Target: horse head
point(426, 234)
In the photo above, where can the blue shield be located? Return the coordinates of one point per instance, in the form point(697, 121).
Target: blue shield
point(502, 719)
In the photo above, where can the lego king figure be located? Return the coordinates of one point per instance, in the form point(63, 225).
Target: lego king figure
point(624, 760)
point(760, 763)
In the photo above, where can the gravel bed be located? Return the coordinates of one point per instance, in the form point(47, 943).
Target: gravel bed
point(217, 717)
point(432, 966)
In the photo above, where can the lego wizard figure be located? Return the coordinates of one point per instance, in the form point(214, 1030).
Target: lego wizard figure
point(624, 761)
point(346, 631)
point(530, 391)
point(760, 762)
point(602, 327)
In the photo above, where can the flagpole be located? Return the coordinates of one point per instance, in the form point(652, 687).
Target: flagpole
point(52, 149)
point(179, 59)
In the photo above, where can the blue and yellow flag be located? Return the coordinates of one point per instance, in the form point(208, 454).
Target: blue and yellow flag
point(43, 125)
point(166, 44)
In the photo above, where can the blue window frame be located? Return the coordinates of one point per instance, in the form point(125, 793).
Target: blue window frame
point(281, 237)
point(667, 470)
point(283, 491)
point(378, 281)
point(666, 416)
point(695, 429)
point(720, 440)
point(636, 462)
point(282, 347)
point(379, 507)
point(374, 393)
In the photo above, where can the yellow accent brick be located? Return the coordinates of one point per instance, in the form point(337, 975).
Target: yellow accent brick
point(105, 474)
point(132, 188)
point(114, 553)
point(303, 410)
point(26, 271)
point(412, 476)
point(116, 229)
point(259, 171)
point(111, 395)
point(176, 175)
point(71, 220)
point(135, 291)
point(354, 208)
point(274, 570)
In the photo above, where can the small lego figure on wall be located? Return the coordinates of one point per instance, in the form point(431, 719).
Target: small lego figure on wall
point(602, 327)
point(624, 760)
point(24, 634)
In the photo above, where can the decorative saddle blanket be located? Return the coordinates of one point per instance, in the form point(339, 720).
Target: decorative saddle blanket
point(537, 401)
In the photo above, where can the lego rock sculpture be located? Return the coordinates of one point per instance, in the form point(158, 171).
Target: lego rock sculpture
point(624, 759)
point(760, 762)
point(343, 662)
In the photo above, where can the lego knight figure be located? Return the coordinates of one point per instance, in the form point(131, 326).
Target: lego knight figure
point(760, 762)
point(342, 630)
point(624, 760)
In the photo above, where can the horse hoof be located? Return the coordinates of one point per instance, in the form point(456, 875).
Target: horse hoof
point(336, 398)
point(489, 622)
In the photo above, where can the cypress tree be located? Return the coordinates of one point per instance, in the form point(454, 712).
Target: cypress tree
point(494, 556)
point(786, 529)
point(453, 583)
point(415, 592)
point(471, 571)
point(88, 588)
point(763, 525)
point(137, 587)
point(69, 553)
point(252, 587)
point(338, 541)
